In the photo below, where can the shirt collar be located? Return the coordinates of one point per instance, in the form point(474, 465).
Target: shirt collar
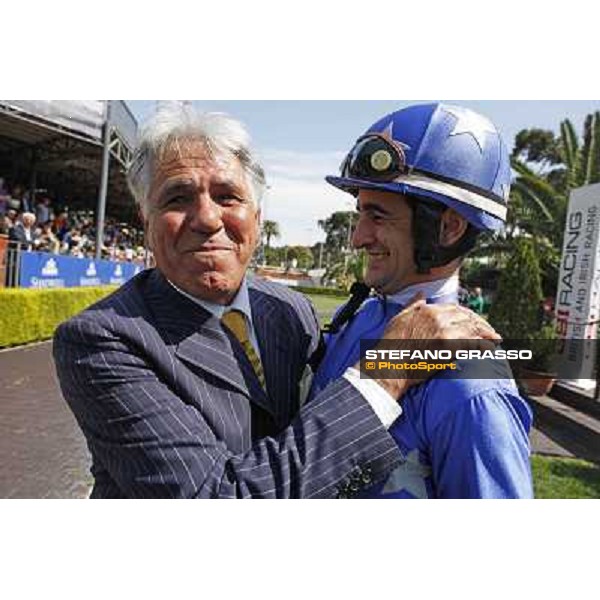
point(433, 290)
point(241, 302)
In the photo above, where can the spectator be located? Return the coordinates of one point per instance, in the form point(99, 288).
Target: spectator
point(476, 301)
point(545, 312)
point(4, 225)
point(11, 218)
point(24, 233)
point(16, 200)
point(43, 211)
point(463, 294)
point(61, 225)
point(72, 242)
point(140, 256)
point(27, 202)
point(4, 197)
point(48, 240)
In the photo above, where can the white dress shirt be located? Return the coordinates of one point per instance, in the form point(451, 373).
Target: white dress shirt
point(241, 303)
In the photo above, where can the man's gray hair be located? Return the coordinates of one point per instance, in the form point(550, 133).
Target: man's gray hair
point(175, 124)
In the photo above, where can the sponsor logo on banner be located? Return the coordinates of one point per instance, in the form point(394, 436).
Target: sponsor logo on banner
point(117, 276)
point(48, 275)
point(50, 269)
point(90, 276)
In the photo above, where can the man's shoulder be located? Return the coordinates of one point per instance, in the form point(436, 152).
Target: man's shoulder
point(461, 386)
point(451, 396)
point(370, 311)
point(16, 230)
point(273, 300)
point(277, 292)
point(124, 303)
point(369, 305)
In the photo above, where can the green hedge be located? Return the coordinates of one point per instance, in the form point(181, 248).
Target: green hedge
point(321, 291)
point(30, 315)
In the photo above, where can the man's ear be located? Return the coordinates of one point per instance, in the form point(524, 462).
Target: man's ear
point(258, 221)
point(144, 220)
point(452, 227)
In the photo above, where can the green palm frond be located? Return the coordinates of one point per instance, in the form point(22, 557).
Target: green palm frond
point(569, 145)
point(590, 155)
point(521, 168)
point(538, 196)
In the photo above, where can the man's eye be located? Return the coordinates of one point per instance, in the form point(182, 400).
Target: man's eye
point(174, 200)
point(228, 198)
point(375, 217)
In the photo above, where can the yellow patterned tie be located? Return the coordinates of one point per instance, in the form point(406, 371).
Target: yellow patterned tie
point(236, 322)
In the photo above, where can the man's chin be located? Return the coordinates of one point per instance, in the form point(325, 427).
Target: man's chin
point(215, 287)
point(381, 285)
point(374, 279)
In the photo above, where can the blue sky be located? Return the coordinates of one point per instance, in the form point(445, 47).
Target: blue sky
point(302, 141)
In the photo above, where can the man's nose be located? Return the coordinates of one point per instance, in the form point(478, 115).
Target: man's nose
point(205, 215)
point(363, 233)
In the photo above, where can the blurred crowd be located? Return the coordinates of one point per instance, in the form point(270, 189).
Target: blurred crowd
point(47, 225)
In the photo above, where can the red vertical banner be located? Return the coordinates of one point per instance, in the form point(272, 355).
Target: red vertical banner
point(3, 247)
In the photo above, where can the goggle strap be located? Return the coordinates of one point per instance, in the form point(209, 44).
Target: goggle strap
point(462, 195)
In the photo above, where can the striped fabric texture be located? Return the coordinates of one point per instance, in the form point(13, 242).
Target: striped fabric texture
point(168, 401)
point(235, 321)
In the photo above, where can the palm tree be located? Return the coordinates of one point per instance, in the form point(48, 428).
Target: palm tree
point(547, 168)
point(543, 197)
point(270, 229)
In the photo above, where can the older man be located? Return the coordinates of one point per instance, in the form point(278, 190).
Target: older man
point(23, 233)
point(428, 179)
point(187, 382)
point(22, 236)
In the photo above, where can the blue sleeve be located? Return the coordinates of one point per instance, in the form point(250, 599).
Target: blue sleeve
point(481, 448)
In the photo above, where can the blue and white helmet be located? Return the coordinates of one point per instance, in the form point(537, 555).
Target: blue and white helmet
point(446, 153)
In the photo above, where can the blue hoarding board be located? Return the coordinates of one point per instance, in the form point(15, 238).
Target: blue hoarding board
point(43, 270)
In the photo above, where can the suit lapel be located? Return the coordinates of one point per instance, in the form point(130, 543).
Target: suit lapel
point(201, 341)
point(277, 352)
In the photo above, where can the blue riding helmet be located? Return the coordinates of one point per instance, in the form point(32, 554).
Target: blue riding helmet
point(446, 153)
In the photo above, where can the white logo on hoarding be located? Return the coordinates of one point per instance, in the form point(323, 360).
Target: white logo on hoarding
point(50, 269)
point(91, 270)
point(118, 271)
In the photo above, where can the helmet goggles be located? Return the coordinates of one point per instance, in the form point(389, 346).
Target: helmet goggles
point(374, 158)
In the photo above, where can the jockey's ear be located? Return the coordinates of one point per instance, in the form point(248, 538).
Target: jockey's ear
point(452, 227)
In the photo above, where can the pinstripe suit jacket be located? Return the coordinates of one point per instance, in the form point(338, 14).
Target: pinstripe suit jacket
point(165, 397)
